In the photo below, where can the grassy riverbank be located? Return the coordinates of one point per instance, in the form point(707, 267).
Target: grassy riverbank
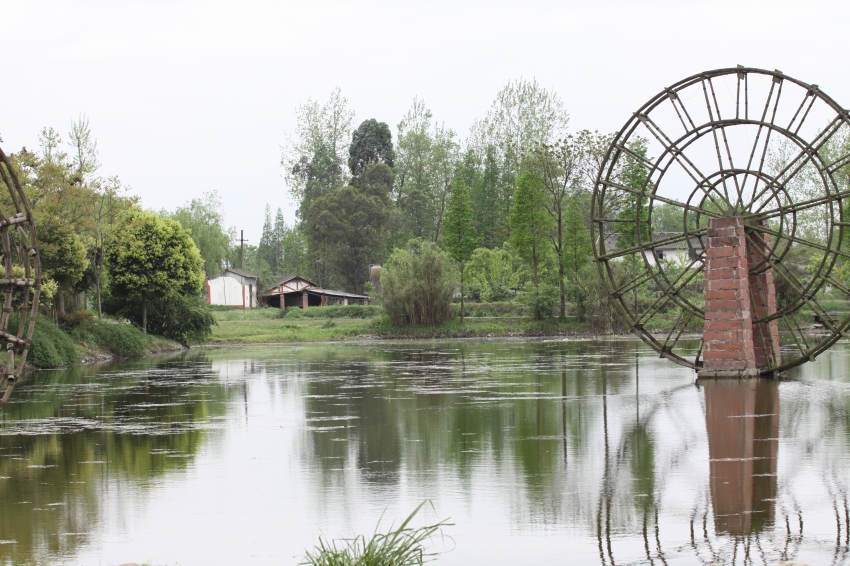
point(237, 326)
point(81, 338)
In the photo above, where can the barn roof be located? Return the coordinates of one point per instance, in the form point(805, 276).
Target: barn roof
point(239, 272)
point(287, 278)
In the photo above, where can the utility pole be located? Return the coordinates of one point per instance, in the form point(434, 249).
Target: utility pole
point(241, 241)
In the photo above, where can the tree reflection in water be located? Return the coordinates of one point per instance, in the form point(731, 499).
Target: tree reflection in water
point(540, 451)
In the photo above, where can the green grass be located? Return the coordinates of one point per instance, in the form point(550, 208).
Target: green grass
point(402, 546)
point(266, 325)
point(316, 324)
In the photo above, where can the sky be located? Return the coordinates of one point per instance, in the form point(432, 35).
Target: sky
point(187, 97)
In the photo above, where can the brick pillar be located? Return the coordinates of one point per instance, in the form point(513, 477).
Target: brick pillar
point(304, 301)
point(763, 298)
point(728, 331)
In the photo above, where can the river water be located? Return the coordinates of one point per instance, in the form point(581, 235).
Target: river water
point(537, 452)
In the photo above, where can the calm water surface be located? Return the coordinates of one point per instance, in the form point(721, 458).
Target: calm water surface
point(546, 452)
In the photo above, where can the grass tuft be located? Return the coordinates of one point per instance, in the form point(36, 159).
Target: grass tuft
point(402, 546)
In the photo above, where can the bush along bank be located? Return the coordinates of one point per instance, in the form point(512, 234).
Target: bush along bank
point(81, 338)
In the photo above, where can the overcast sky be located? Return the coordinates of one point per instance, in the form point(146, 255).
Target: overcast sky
point(194, 96)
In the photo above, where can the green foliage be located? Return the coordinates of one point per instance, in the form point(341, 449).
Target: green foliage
point(459, 237)
point(530, 225)
point(402, 546)
point(51, 348)
point(184, 318)
point(371, 142)
point(203, 218)
point(417, 285)
point(636, 207)
point(540, 300)
point(313, 155)
point(492, 274)
point(119, 338)
point(348, 227)
point(336, 311)
point(153, 259)
point(577, 251)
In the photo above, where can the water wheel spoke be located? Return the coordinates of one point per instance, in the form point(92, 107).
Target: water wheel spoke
point(649, 246)
point(670, 294)
point(637, 281)
point(803, 290)
point(803, 242)
point(680, 109)
point(810, 98)
point(806, 154)
point(804, 205)
point(679, 156)
point(715, 117)
point(665, 200)
point(679, 328)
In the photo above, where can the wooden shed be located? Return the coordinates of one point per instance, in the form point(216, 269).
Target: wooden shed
point(296, 291)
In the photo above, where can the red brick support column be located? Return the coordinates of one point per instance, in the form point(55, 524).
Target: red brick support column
point(728, 331)
point(304, 300)
point(763, 298)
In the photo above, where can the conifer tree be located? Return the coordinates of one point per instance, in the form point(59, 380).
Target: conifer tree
point(459, 237)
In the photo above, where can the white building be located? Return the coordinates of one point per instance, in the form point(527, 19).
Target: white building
point(233, 288)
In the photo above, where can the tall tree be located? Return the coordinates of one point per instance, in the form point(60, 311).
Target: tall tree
point(314, 155)
point(153, 258)
point(84, 146)
point(350, 225)
point(577, 250)
point(522, 116)
point(559, 167)
point(530, 225)
point(266, 250)
point(204, 219)
point(109, 206)
point(413, 169)
point(371, 142)
point(460, 239)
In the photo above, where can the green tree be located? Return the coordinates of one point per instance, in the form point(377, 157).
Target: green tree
point(267, 249)
point(522, 116)
point(350, 226)
point(63, 259)
point(577, 250)
point(559, 167)
point(371, 142)
point(153, 258)
point(313, 157)
point(459, 238)
point(109, 205)
point(204, 219)
point(530, 225)
point(493, 274)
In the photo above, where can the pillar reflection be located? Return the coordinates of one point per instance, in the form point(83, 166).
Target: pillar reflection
point(742, 421)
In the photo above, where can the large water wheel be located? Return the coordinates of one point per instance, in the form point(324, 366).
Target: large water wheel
point(758, 146)
point(22, 280)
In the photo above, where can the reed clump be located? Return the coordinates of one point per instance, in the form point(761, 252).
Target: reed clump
point(402, 546)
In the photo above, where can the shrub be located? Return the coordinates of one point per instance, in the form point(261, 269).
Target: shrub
point(51, 348)
point(417, 285)
point(336, 311)
point(178, 317)
point(540, 301)
point(119, 338)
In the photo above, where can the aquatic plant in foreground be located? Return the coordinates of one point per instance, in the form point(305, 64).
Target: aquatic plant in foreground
point(402, 546)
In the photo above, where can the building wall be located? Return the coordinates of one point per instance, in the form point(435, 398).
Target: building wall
point(227, 291)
